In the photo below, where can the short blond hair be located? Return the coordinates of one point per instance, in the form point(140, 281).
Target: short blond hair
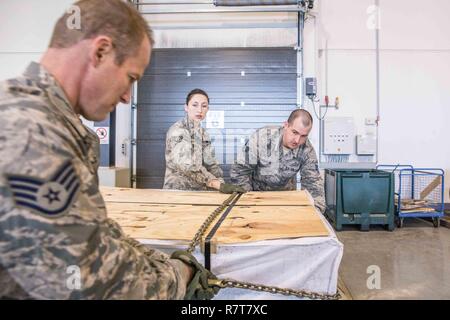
point(113, 18)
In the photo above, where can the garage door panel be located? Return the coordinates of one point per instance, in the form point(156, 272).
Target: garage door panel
point(213, 58)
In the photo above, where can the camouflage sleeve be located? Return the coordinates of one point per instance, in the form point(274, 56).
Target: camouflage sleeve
point(242, 171)
point(209, 159)
point(83, 261)
point(186, 158)
point(311, 179)
point(68, 251)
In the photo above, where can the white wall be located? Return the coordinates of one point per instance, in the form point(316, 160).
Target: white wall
point(415, 78)
point(414, 72)
point(25, 30)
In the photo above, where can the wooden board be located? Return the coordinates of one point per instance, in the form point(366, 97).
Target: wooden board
point(343, 290)
point(433, 185)
point(251, 223)
point(419, 209)
point(276, 198)
point(156, 221)
point(243, 224)
point(162, 196)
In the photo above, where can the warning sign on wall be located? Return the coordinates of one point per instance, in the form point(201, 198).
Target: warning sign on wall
point(103, 134)
point(215, 119)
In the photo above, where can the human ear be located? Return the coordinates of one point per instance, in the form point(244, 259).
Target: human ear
point(102, 46)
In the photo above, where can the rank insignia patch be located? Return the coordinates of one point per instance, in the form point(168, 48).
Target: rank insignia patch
point(49, 198)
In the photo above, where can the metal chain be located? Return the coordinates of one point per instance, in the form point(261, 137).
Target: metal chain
point(198, 235)
point(229, 283)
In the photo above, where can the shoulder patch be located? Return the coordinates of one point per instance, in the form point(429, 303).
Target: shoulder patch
point(51, 198)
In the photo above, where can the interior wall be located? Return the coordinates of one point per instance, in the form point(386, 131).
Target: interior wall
point(415, 77)
point(25, 30)
point(414, 74)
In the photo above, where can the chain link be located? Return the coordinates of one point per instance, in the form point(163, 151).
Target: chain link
point(198, 235)
point(229, 283)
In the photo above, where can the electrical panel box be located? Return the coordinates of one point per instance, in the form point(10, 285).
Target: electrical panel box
point(339, 136)
point(311, 87)
point(366, 145)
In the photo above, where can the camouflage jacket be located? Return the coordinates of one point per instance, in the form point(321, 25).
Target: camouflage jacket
point(264, 164)
point(190, 160)
point(56, 241)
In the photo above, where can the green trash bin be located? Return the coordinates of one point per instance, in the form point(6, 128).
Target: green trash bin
point(362, 197)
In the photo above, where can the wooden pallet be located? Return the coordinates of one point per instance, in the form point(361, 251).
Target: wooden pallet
point(343, 290)
point(174, 217)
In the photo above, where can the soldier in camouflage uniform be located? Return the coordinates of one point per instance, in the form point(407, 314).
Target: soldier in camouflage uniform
point(56, 241)
point(273, 155)
point(190, 161)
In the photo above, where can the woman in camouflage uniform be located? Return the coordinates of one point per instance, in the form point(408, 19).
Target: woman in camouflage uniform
point(190, 161)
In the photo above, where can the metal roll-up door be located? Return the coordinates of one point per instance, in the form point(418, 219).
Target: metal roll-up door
point(254, 87)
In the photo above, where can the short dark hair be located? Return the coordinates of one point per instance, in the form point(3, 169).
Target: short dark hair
point(194, 92)
point(113, 18)
point(306, 117)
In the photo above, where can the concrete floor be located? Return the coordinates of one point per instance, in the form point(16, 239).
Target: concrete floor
point(414, 262)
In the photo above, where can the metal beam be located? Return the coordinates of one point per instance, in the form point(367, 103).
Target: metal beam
point(173, 3)
point(234, 3)
point(378, 79)
point(231, 10)
point(229, 4)
point(300, 59)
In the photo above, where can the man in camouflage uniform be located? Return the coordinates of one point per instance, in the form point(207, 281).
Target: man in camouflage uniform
point(271, 158)
point(56, 241)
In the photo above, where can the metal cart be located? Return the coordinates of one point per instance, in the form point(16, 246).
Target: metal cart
point(419, 192)
point(395, 169)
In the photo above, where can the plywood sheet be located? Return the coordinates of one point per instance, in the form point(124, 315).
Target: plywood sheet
point(243, 224)
point(155, 221)
point(254, 223)
point(162, 196)
point(276, 198)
